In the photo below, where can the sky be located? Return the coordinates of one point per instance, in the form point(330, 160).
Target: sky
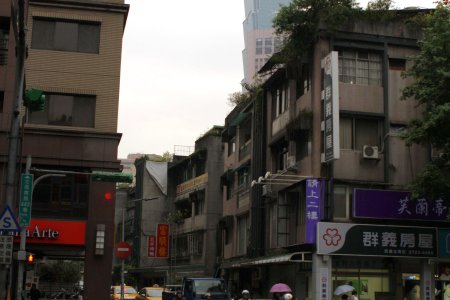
point(180, 62)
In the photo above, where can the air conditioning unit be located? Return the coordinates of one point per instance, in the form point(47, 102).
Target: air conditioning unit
point(370, 152)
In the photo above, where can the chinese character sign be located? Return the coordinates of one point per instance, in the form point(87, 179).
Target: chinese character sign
point(314, 197)
point(359, 239)
point(162, 240)
point(151, 251)
point(398, 205)
point(331, 106)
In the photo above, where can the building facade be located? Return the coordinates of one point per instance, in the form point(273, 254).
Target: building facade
point(74, 55)
point(321, 199)
point(196, 207)
point(259, 39)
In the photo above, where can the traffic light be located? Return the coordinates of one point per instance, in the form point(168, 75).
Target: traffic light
point(30, 258)
point(108, 196)
point(34, 99)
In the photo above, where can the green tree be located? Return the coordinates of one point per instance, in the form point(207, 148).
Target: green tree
point(431, 89)
point(62, 271)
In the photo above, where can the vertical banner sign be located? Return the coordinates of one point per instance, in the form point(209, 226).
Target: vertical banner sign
point(162, 240)
point(313, 208)
point(151, 251)
point(331, 106)
point(324, 283)
point(26, 193)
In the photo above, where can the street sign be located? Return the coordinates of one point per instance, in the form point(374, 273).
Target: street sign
point(123, 250)
point(8, 221)
point(26, 194)
point(6, 249)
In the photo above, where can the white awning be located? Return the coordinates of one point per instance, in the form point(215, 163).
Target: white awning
point(294, 257)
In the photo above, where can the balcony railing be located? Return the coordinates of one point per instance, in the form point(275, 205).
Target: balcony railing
point(243, 194)
point(192, 184)
point(244, 150)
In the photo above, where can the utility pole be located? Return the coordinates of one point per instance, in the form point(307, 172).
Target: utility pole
point(18, 23)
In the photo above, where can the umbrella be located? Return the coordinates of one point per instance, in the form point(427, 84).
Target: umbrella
point(342, 289)
point(280, 288)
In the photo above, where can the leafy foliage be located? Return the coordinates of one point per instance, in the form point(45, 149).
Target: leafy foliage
point(61, 271)
point(299, 21)
point(431, 72)
point(245, 97)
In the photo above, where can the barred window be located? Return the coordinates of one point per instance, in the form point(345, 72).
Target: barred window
point(360, 67)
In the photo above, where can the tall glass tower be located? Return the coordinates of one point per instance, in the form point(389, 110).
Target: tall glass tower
point(259, 38)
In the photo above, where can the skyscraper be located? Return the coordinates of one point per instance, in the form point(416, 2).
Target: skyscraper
point(259, 37)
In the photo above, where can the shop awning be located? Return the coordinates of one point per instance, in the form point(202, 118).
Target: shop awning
point(294, 257)
point(239, 119)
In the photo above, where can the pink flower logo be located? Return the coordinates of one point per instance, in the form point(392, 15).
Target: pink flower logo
point(332, 237)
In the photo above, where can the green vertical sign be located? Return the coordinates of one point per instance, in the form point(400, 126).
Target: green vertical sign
point(26, 194)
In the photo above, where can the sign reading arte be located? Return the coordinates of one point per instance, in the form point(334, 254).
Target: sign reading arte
point(54, 232)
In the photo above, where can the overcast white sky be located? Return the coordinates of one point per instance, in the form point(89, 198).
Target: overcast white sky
point(180, 61)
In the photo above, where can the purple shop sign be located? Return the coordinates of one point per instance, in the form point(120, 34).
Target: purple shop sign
point(397, 205)
point(314, 207)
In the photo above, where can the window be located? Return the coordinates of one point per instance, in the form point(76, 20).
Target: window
point(341, 205)
point(65, 195)
point(65, 35)
point(304, 83)
point(242, 235)
point(231, 146)
point(4, 38)
point(357, 132)
point(268, 45)
point(66, 110)
point(277, 44)
point(2, 100)
point(397, 64)
point(280, 102)
point(259, 46)
point(199, 204)
point(230, 186)
point(360, 67)
point(302, 145)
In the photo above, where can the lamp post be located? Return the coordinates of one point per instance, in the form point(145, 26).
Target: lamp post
point(23, 232)
point(122, 274)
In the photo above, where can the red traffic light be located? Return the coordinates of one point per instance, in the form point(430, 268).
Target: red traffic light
point(30, 258)
point(108, 196)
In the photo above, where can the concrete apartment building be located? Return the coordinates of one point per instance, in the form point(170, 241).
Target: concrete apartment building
point(74, 55)
point(196, 207)
point(259, 39)
point(299, 208)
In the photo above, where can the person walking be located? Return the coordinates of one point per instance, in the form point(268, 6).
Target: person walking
point(354, 295)
point(34, 293)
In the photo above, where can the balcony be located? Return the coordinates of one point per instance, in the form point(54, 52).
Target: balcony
point(191, 185)
point(280, 122)
point(243, 195)
point(244, 151)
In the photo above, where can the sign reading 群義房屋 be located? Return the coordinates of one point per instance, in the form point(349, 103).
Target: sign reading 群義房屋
point(376, 240)
point(331, 107)
point(397, 205)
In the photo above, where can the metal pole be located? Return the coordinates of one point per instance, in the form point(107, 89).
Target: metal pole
point(18, 18)
point(23, 233)
point(122, 275)
point(23, 236)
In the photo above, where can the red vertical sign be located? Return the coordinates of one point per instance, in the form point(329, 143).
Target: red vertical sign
point(162, 240)
point(151, 246)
